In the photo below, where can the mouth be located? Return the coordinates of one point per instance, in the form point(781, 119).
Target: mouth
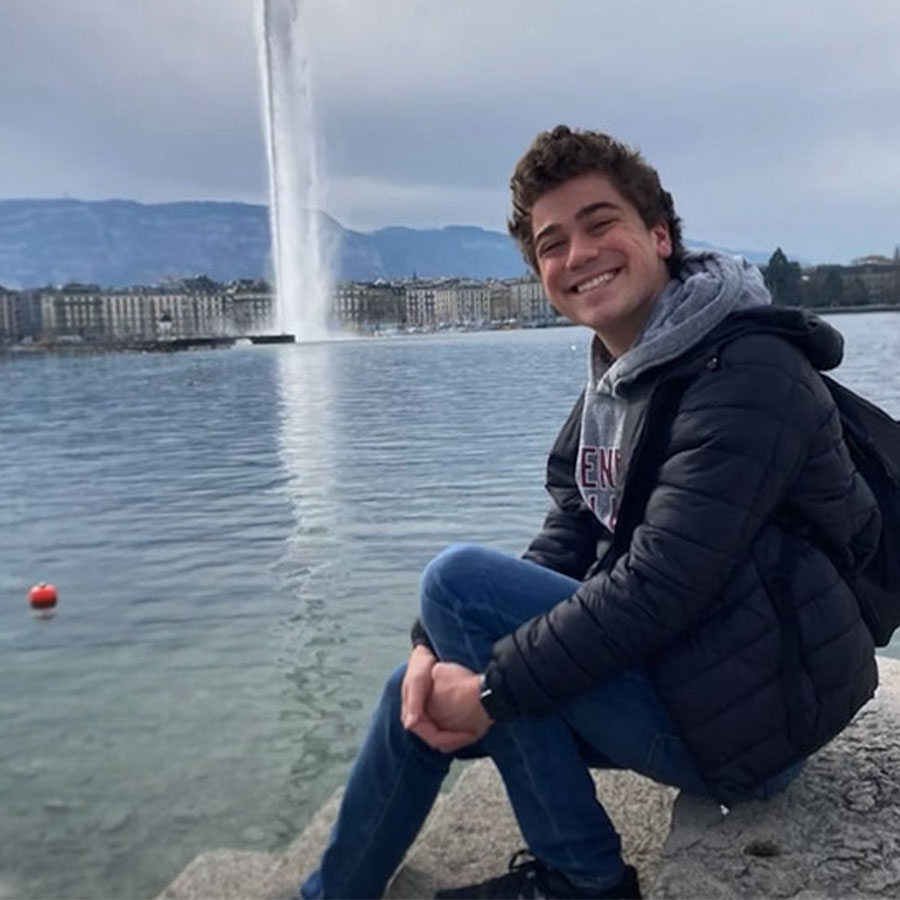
point(595, 282)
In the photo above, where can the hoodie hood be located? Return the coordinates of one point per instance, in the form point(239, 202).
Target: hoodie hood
point(711, 286)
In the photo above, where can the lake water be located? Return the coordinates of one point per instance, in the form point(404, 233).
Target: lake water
point(236, 537)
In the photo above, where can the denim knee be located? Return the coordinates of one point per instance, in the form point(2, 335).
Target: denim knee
point(450, 571)
point(452, 561)
point(446, 576)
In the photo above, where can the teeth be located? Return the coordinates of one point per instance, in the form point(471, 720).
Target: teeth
point(594, 282)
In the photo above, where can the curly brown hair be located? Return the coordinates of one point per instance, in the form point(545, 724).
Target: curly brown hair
point(558, 155)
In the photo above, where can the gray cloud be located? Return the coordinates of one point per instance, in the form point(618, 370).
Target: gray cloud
point(774, 124)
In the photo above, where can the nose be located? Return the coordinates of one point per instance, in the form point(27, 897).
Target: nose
point(582, 249)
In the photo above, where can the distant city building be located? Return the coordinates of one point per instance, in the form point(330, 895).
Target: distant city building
point(528, 301)
point(419, 300)
point(9, 319)
point(73, 311)
point(873, 259)
point(446, 304)
point(192, 308)
point(138, 314)
point(501, 302)
point(368, 307)
point(249, 307)
point(473, 303)
point(873, 280)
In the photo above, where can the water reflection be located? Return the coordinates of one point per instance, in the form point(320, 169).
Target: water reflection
point(305, 449)
point(316, 706)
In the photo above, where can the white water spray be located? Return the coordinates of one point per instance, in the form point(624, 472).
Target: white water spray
point(302, 281)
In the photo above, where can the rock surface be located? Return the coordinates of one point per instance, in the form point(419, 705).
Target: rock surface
point(834, 833)
point(469, 836)
point(473, 834)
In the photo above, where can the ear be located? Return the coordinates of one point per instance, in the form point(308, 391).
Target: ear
point(662, 239)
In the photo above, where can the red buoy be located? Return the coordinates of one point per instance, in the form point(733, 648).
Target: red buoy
point(42, 596)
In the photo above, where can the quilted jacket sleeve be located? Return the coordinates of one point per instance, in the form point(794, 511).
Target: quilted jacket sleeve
point(741, 435)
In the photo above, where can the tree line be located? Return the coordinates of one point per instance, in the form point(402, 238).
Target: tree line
point(832, 285)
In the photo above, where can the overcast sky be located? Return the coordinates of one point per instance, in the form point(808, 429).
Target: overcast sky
point(771, 122)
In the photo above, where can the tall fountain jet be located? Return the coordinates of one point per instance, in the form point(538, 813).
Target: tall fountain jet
point(302, 282)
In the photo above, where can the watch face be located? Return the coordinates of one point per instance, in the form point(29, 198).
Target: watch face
point(488, 701)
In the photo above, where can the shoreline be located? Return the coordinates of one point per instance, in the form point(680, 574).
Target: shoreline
point(172, 345)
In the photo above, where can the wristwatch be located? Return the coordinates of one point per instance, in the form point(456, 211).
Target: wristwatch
point(492, 703)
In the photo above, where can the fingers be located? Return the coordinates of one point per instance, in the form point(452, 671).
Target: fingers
point(416, 687)
point(417, 690)
point(440, 739)
point(405, 711)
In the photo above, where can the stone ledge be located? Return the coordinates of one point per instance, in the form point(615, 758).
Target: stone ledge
point(469, 836)
point(834, 833)
point(474, 833)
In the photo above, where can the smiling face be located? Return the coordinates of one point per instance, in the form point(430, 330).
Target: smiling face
point(600, 264)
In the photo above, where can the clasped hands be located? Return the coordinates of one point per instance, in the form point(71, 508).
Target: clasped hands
point(441, 702)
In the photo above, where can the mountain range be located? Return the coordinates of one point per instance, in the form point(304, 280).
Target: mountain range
point(116, 243)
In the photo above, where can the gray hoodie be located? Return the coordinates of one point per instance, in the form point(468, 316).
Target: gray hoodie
point(711, 285)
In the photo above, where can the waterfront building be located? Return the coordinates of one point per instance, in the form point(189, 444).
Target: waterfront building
point(27, 314)
point(131, 315)
point(463, 302)
point(249, 306)
point(446, 303)
point(528, 302)
point(473, 302)
point(9, 319)
point(195, 307)
point(501, 302)
point(74, 312)
point(84, 312)
point(369, 306)
point(419, 301)
point(873, 279)
point(191, 308)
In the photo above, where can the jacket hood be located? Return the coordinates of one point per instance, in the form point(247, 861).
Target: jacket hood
point(822, 344)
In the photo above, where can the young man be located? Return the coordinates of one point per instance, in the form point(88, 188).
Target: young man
point(667, 619)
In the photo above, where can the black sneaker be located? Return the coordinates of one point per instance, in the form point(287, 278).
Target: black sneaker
point(529, 878)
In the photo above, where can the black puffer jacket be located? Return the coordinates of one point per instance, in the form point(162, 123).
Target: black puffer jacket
point(754, 642)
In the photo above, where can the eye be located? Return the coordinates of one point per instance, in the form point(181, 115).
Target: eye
point(547, 247)
point(599, 225)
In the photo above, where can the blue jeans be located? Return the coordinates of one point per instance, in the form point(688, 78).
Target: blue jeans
point(471, 597)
